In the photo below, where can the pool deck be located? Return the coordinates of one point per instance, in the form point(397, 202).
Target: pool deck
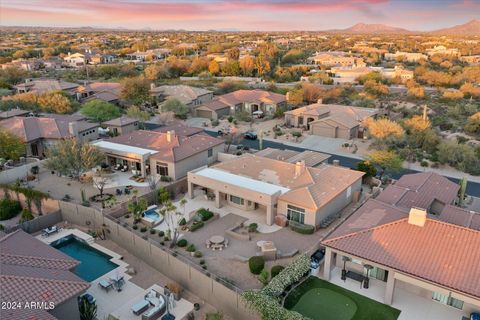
point(116, 303)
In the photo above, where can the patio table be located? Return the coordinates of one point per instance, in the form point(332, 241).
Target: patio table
point(217, 240)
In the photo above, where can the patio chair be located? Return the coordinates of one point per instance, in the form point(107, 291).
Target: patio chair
point(105, 285)
point(119, 192)
point(208, 243)
point(124, 169)
point(140, 307)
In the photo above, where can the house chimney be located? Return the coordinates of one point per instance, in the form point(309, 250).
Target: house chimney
point(320, 101)
point(73, 129)
point(336, 162)
point(417, 216)
point(299, 168)
point(170, 135)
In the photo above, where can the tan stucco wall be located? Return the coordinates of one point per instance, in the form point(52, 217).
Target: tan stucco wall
point(125, 129)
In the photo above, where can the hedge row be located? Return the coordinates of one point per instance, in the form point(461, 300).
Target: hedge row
point(205, 214)
point(301, 228)
point(196, 226)
point(9, 208)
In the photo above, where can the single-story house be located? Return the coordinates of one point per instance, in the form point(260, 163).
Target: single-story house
point(249, 101)
point(412, 238)
point(188, 95)
point(329, 120)
point(34, 273)
point(311, 158)
point(40, 132)
point(180, 130)
point(106, 91)
point(46, 85)
point(303, 194)
point(121, 125)
point(14, 113)
point(163, 154)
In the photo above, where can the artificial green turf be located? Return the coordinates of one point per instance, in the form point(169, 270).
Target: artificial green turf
point(330, 303)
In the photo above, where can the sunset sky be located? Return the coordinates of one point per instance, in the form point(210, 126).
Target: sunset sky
point(268, 15)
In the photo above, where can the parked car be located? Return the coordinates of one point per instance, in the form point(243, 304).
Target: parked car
point(475, 316)
point(318, 256)
point(250, 135)
point(223, 131)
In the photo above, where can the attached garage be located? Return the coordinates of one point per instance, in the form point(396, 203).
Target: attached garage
point(213, 109)
point(203, 113)
point(332, 128)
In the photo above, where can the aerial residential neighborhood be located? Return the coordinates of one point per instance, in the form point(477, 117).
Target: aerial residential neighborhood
point(218, 160)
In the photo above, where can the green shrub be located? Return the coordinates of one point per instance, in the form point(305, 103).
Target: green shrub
point(202, 261)
point(191, 248)
point(198, 254)
point(263, 277)
point(165, 178)
point(296, 134)
point(143, 229)
point(424, 163)
point(9, 208)
point(204, 267)
point(196, 226)
point(301, 228)
point(182, 222)
point(26, 215)
point(161, 233)
point(215, 123)
point(182, 243)
point(252, 227)
point(230, 119)
point(205, 214)
point(256, 264)
point(152, 231)
point(134, 227)
point(276, 270)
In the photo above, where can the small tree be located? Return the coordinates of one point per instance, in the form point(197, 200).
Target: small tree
point(87, 310)
point(182, 204)
point(100, 111)
point(11, 146)
point(135, 90)
point(137, 206)
point(386, 160)
point(139, 114)
point(367, 167)
point(100, 180)
point(171, 218)
point(73, 157)
point(26, 215)
point(177, 107)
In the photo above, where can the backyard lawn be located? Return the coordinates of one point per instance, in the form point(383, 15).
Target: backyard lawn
point(321, 300)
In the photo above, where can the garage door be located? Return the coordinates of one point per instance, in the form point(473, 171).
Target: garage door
point(205, 114)
point(323, 131)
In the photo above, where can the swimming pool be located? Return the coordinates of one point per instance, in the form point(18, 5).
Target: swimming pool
point(152, 213)
point(93, 263)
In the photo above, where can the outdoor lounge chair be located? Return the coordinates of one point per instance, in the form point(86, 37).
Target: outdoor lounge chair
point(49, 231)
point(105, 285)
point(140, 307)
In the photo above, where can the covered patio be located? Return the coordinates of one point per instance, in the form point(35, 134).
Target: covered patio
point(243, 193)
point(126, 158)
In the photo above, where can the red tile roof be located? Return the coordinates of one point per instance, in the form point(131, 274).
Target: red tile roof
point(179, 148)
point(31, 270)
point(438, 252)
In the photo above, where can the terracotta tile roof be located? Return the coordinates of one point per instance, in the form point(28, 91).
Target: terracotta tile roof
point(241, 96)
point(420, 190)
point(214, 105)
point(180, 129)
point(46, 85)
point(185, 94)
point(13, 113)
point(120, 121)
point(460, 217)
point(312, 187)
point(179, 148)
point(311, 158)
point(31, 270)
point(443, 253)
point(347, 115)
point(33, 128)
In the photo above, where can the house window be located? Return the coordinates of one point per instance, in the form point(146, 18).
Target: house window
point(162, 169)
point(236, 200)
point(210, 152)
point(300, 121)
point(296, 214)
point(447, 300)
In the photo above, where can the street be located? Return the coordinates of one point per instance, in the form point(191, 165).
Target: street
point(473, 188)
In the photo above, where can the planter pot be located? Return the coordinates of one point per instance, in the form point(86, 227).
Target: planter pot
point(196, 306)
point(344, 274)
point(366, 283)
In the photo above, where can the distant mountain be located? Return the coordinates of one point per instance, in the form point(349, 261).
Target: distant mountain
point(470, 28)
point(371, 28)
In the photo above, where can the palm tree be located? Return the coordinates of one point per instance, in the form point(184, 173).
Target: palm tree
point(87, 311)
point(182, 204)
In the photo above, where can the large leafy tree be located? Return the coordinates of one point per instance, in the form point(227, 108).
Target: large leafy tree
point(73, 157)
point(100, 111)
point(11, 146)
point(135, 90)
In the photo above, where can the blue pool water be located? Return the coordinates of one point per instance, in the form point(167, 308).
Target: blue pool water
point(93, 263)
point(151, 214)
